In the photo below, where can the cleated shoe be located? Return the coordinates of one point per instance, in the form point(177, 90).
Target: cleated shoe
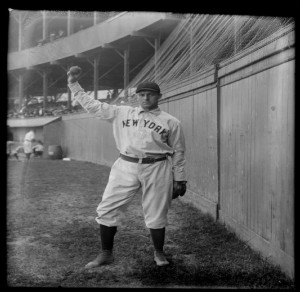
point(160, 258)
point(104, 258)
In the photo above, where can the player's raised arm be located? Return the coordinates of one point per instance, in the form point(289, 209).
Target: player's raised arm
point(101, 110)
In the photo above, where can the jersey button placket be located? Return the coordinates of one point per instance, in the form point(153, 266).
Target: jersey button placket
point(141, 126)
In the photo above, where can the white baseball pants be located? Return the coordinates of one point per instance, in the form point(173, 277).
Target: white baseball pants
point(125, 179)
point(27, 147)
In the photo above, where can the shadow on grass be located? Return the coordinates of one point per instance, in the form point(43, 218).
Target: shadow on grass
point(178, 274)
point(218, 260)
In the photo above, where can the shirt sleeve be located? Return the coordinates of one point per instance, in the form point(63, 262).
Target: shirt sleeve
point(99, 109)
point(177, 142)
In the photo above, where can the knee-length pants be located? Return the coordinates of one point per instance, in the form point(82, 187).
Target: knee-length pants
point(125, 180)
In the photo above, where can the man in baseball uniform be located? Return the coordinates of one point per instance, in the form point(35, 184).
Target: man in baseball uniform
point(28, 140)
point(151, 145)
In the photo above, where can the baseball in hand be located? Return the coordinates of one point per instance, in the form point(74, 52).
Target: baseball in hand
point(73, 74)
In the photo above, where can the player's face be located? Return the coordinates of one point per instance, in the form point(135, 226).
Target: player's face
point(148, 99)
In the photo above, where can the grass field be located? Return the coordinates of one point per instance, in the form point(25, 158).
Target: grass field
point(52, 234)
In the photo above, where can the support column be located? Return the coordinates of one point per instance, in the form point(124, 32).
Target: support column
point(96, 17)
point(45, 89)
point(155, 45)
point(45, 25)
point(20, 36)
point(70, 23)
point(217, 80)
point(96, 73)
point(126, 70)
point(21, 89)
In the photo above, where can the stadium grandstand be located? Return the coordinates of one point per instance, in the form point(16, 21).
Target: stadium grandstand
point(116, 50)
point(110, 47)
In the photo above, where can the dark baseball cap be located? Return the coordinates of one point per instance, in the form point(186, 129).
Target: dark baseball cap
point(147, 85)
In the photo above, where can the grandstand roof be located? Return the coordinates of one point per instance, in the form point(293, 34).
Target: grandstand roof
point(30, 122)
point(106, 40)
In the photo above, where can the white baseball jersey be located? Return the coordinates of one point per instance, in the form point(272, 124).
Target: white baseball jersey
point(140, 133)
point(28, 141)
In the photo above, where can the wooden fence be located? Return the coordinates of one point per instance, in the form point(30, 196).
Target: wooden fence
point(84, 138)
point(257, 147)
point(238, 120)
point(195, 105)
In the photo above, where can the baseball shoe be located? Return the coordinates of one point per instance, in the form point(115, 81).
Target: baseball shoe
point(160, 258)
point(104, 258)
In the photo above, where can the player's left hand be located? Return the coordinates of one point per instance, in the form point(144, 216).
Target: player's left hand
point(179, 189)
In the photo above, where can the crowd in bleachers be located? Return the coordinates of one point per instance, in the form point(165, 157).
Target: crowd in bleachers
point(54, 35)
point(36, 110)
point(55, 105)
point(51, 37)
point(53, 108)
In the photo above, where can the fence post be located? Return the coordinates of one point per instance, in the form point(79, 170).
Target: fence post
point(217, 80)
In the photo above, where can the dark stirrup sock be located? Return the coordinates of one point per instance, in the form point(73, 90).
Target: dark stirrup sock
point(107, 235)
point(158, 238)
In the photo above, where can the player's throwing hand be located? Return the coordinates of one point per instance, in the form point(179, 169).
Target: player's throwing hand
point(73, 74)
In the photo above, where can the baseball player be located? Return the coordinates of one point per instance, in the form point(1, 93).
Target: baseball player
point(28, 140)
point(152, 146)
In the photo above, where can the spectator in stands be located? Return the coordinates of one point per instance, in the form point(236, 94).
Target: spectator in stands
point(38, 149)
point(36, 112)
point(52, 36)
point(61, 33)
point(28, 140)
point(41, 42)
point(23, 109)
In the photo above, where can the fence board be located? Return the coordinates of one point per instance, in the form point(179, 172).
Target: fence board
point(253, 152)
point(289, 88)
point(205, 139)
point(265, 206)
point(83, 139)
point(52, 136)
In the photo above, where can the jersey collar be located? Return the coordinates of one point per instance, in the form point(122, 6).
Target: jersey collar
point(155, 111)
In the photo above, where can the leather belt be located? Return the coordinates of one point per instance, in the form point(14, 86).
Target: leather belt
point(142, 160)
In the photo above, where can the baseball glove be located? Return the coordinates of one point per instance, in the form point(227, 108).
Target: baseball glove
point(179, 189)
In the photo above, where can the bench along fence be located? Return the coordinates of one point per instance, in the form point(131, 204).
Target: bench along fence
point(238, 120)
